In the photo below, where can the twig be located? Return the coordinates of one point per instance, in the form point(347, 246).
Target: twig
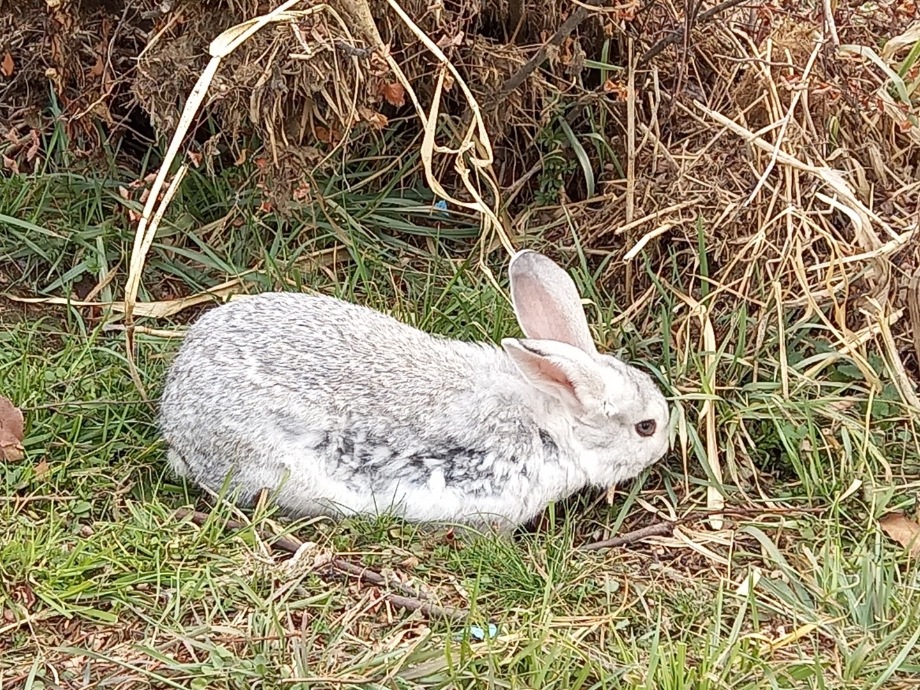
point(375, 578)
point(568, 26)
point(412, 601)
point(658, 529)
point(349, 50)
point(430, 610)
point(913, 308)
point(631, 137)
point(282, 543)
point(831, 24)
point(677, 36)
point(784, 124)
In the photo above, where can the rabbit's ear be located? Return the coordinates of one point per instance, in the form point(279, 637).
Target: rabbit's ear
point(561, 370)
point(546, 301)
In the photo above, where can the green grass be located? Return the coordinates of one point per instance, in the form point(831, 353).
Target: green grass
point(101, 583)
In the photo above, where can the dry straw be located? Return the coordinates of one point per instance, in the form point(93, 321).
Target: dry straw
point(472, 155)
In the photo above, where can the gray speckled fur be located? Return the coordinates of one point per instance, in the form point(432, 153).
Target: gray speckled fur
point(340, 408)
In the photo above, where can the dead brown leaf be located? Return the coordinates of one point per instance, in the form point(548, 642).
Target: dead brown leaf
point(97, 69)
point(7, 66)
point(36, 143)
point(375, 119)
point(11, 165)
point(11, 431)
point(323, 134)
point(627, 11)
point(903, 530)
point(454, 41)
point(41, 469)
point(618, 89)
point(394, 94)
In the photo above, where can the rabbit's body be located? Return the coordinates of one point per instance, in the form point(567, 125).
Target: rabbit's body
point(341, 409)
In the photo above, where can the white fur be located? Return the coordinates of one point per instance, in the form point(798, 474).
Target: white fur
point(339, 409)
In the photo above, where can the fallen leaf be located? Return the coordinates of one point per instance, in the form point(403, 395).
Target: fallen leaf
point(41, 469)
point(11, 430)
point(903, 530)
point(36, 142)
point(97, 69)
point(7, 66)
point(451, 41)
point(394, 94)
point(302, 192)
point(11, 165)
point(627, 11)
point(618, 89)
point(375, 119)
point(378, 120)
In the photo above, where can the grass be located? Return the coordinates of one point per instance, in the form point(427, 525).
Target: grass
point(102, 583)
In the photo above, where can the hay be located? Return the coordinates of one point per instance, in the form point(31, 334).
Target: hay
point(292, 84)
point(83, 54)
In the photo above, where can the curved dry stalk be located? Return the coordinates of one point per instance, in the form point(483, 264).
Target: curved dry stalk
point(155, 207)
point(476, 138)
point(475, 145)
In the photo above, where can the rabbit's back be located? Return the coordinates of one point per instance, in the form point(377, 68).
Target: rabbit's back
point(345, 403)
point(324, 351)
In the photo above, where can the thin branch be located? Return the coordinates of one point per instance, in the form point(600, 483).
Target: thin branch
point(429, 609)
point(410, 600)
point(677, 36)
point(568, 26)
point(831, 24)
point(280, 543)
point(658, 529)
point(375, 578)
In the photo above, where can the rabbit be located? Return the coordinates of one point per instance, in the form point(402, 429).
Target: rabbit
point(339, 409)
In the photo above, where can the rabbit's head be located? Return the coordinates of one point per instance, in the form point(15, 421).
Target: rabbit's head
point(613, 413)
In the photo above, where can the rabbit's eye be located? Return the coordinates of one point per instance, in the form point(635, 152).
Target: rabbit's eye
point(646, 428)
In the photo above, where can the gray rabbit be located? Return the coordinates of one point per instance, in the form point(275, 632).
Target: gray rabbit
point(340, 409)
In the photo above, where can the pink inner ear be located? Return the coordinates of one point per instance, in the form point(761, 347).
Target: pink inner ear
point(554, 374)
point(549, 308)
